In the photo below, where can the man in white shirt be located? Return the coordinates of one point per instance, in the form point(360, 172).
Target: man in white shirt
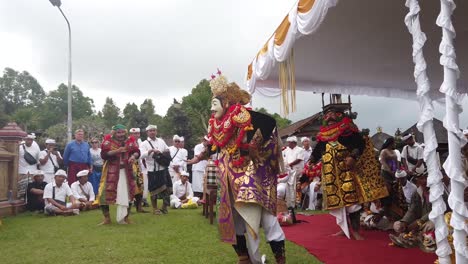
point(26, 166)
point(412, 155)
point(55, 197)
point(183, 153)
point(183, 193)
point(307, 148)
point(179, 158)
point(49, 160)
point(294, 163)
point(198, 169)
point(159, 180)
point(83, 191)
point(408, 187)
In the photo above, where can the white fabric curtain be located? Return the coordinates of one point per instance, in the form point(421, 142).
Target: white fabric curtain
point(453, 165)
point(425, 125)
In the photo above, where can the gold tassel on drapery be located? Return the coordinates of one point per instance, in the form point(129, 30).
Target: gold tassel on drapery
point(287, 83)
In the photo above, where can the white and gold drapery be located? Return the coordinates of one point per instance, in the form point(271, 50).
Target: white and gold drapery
point(337, 51)
point(453, 108)
point(425, 125)
point(304, 19)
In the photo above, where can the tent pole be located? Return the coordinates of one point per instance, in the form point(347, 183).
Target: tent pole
point(426, 126)
point(453, 165)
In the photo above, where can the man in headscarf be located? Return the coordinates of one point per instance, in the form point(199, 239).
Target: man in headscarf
point(183, 193)
point(50, 160)
point(249, 160)
point(415, 224)
point(178, 158)
point(198, 169)
point(117, 186)
point(155, 151)
point(83, 191)
point(351, 174)
point(28, 159)
point(293, 157)
point(412, 155)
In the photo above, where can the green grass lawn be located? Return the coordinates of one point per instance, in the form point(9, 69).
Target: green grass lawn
point(182, 236)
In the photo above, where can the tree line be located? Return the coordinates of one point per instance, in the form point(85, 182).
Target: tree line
point(23, 100)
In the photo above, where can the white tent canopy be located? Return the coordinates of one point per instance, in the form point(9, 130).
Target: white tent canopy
point(360, 48)
point(383, 48)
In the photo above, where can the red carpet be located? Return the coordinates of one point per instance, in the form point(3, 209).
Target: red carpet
point(315, 236)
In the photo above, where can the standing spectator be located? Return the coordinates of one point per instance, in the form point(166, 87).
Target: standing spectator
point(389, 160)
point(198, 169)
point(179, 158)
point(77, 156)
point(27, 163)
point(307, 148)
point(412, 155)
point(83, 191)
point(50, 160)
point(35, 192)
point(135, 132)
point(294, 162)
point(183, 153)
point(159, 180)
point(56, 194)
point(95, 176)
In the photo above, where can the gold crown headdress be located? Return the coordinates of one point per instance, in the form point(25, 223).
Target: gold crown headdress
point(221, 88)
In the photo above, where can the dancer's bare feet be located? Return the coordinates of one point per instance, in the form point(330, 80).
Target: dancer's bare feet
point(157, 212)
point(340, 233)
point(105, 222)
point(357, 236)
point(127, 221)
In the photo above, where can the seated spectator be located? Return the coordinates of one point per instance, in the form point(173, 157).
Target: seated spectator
point(312, 178)
point(35, 192)
point(182, 196)
point(383, 217)
point(56, 194)
point(415, 225)
point(83, 191)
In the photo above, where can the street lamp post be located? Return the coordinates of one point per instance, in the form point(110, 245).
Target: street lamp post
point(58, 3)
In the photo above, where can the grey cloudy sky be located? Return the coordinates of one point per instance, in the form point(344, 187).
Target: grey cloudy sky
point(136, 49)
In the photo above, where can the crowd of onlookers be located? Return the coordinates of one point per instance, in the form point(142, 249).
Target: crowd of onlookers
point(67, 184)
point(56, 184)
point(405, 212)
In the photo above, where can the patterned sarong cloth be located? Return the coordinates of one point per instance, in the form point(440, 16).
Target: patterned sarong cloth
point(138, 176)
point(372, 184)
point(73, 169)
point(159, 181)
point(343, 187)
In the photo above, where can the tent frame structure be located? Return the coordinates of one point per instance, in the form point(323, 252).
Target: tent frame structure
point(305, 18)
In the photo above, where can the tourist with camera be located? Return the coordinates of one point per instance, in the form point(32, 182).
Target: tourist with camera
point(50, 160)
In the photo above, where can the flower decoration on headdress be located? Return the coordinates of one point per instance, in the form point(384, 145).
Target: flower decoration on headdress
point(231, 92)
point(218, 84)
